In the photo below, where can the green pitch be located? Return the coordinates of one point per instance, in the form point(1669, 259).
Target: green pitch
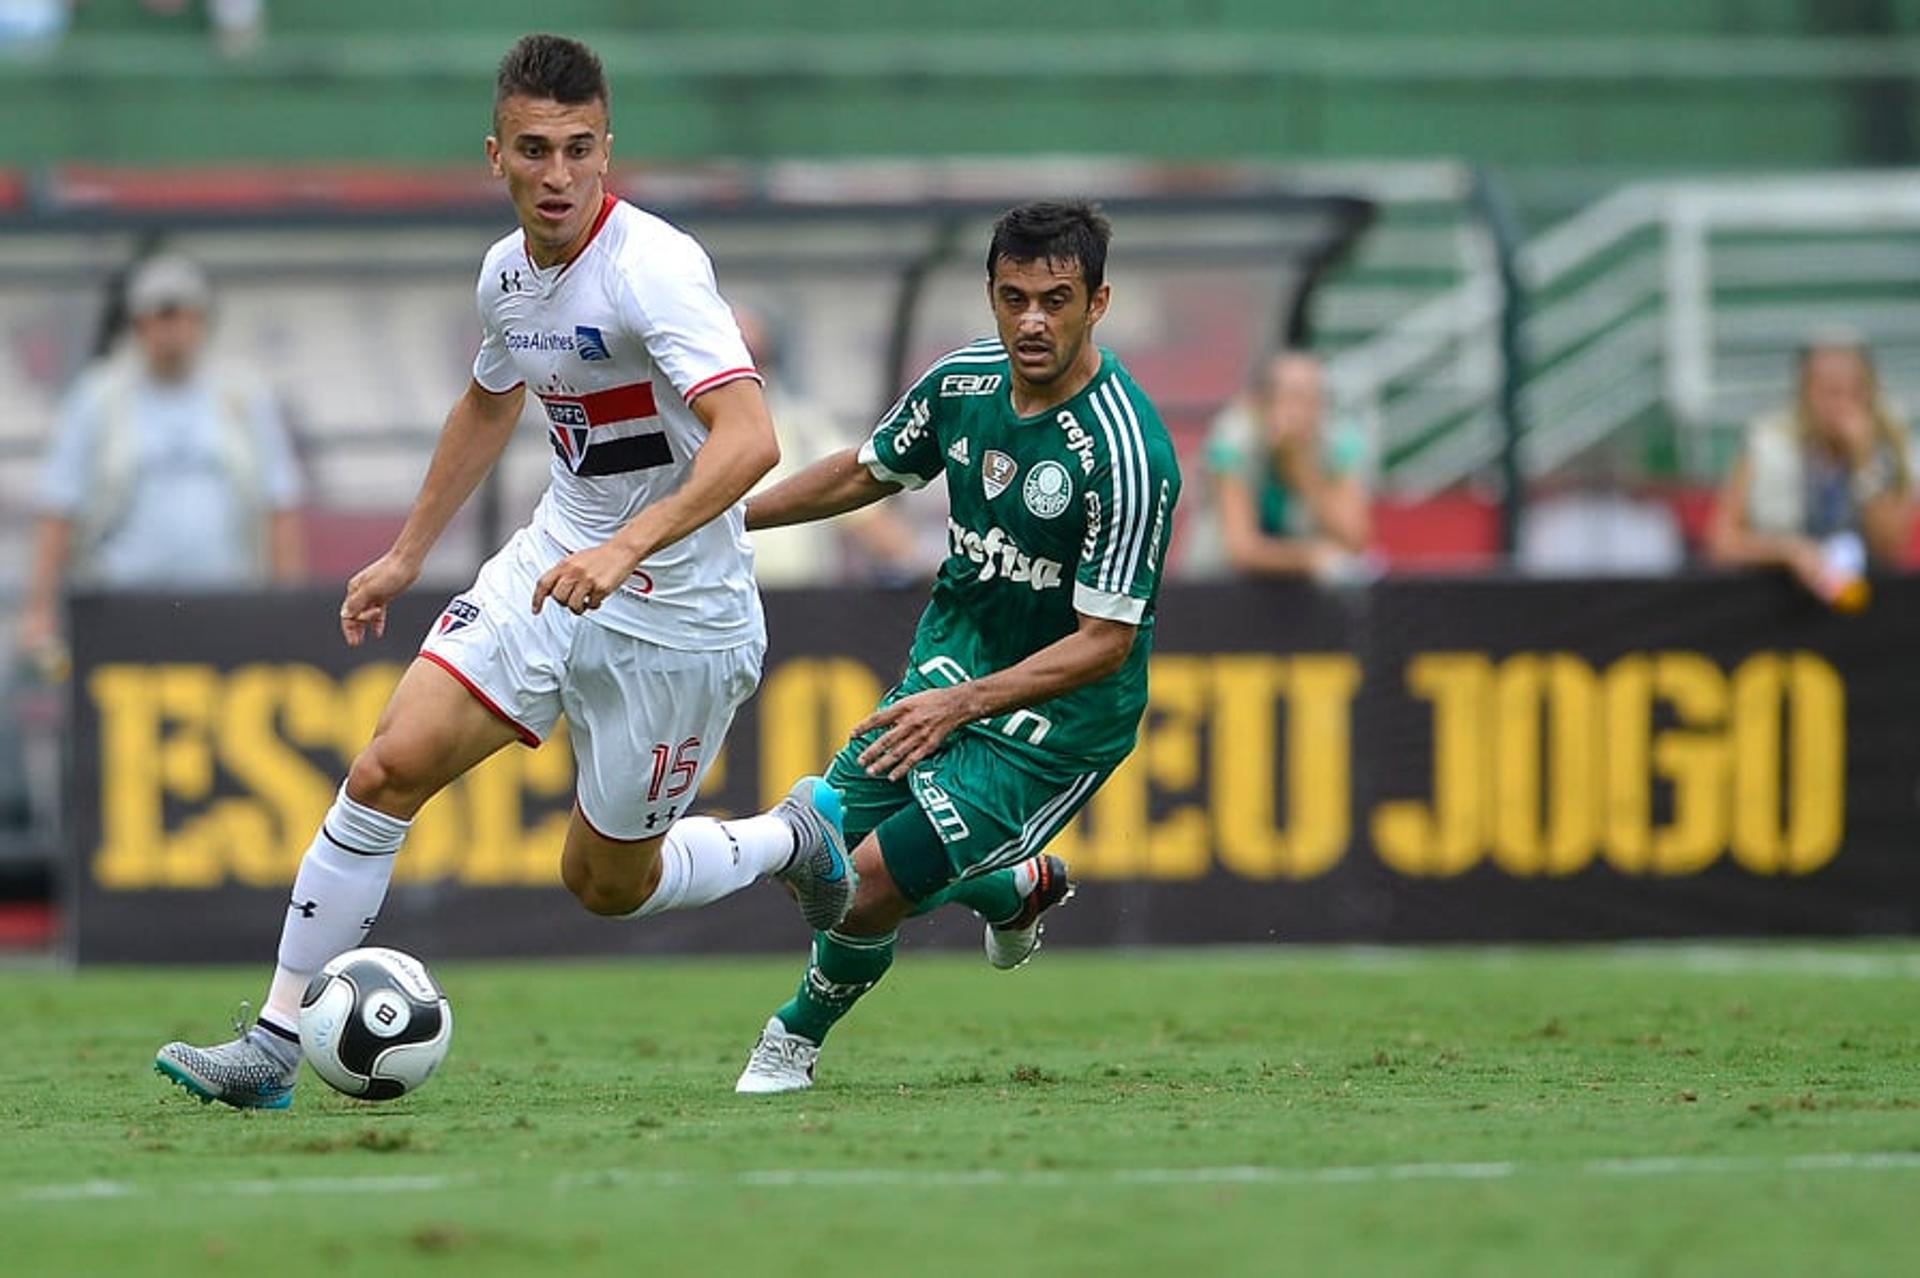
point(1566, 1112)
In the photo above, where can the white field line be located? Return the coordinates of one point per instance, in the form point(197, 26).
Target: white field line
point(94, 1191)
point(1707, 958)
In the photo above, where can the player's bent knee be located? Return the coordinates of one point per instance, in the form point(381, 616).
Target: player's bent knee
point(373, 776)
point(610, 901)
point(611, 892)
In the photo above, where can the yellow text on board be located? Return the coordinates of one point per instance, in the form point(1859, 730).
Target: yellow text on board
point(1540, 764)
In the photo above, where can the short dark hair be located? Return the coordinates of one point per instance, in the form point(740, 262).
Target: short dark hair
point(551, 67)
point(1056, 231)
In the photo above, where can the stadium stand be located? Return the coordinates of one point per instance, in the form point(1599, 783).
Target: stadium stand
point(1557, 84)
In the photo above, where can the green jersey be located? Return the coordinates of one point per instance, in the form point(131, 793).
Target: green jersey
point(1064, 513)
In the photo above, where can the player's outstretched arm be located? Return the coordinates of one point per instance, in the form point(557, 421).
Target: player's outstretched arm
point(740, 449)
point(915, 726)
point(831, 486)
point(475, 434)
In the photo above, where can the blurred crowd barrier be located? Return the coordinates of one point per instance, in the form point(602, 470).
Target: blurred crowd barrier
point(1419, 759)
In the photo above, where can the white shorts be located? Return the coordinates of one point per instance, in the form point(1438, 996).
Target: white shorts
point(645, 721)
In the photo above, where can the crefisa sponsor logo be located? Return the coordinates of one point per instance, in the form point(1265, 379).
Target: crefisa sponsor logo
point(1078, 441)
point(998, 556)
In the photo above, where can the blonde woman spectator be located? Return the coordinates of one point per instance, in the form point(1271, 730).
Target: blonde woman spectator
point(1287, 485)
point(1824, 487)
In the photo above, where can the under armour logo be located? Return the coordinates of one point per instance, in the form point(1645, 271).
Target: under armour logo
point(510, 282)
point(306, 908)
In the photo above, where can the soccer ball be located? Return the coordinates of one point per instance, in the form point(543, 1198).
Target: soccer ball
point(373, 1024)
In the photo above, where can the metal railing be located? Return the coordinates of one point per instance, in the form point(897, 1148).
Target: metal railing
point(1670, 306)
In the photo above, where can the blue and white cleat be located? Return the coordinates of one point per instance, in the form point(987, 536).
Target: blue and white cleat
point(820, 872)
point(242, 1073)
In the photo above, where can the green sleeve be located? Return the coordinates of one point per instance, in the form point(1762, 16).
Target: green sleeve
point(1130, 501)
point(904, 448)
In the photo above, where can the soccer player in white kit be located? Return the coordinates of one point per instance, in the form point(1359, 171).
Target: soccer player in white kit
point(628, 603)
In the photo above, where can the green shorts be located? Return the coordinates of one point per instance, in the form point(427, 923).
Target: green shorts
point(970, 809)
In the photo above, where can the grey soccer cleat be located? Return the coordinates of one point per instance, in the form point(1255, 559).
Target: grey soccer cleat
point(1012, 943)
point(820, 872)
point(243, 1073)
point(782, 1061)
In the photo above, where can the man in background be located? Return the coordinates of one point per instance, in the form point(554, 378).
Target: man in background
point(1287, 490)
point(873, 544)
point(167, 470)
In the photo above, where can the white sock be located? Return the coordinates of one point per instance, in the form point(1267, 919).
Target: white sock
point(342, 881)
point(702, 860)
point(1026, 876)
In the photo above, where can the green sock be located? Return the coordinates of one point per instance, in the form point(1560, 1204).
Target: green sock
point(994, 896)
point(842, 969)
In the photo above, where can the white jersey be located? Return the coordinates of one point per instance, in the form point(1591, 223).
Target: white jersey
point(616, 344)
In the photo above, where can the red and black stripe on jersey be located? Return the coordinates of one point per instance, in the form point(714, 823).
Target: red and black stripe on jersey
point(578, 426)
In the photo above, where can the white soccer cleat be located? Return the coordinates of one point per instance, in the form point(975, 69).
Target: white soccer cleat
point(1014, 942)
point(782, 1061)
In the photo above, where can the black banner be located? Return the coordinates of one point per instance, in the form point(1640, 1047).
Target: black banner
point(1419, 760)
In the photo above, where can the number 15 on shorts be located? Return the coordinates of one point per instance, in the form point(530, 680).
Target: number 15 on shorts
point(674, 769)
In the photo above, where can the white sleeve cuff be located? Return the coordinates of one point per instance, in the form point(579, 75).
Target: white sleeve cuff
point(870, 458)
point(1108, 606)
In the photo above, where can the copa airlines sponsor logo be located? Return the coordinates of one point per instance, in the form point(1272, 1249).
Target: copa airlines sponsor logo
point(593, 345)
point(523, 341)
point(1078, 441)
point(998, 556)
point(954, 385)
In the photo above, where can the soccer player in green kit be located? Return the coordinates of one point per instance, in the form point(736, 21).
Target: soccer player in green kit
point(1028, 673)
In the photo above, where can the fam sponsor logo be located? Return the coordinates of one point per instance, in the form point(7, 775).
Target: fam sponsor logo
point(998, 556)
point(591, 345)
point(954, 385)
point(1091, 545)
point(525, 341)
point(1079, 443)
point(939, 807)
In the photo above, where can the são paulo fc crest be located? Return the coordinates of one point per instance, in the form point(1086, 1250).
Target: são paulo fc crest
point(996, 472)
point(459, 614)
point(1047, 490)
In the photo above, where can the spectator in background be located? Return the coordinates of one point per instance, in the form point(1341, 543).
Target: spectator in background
point(166, 471)
point(883, 547)
point(1824, 487)
point(1592, 519)
point(1287, 488)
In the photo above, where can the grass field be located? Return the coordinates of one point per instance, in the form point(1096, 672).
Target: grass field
point(1671, 1111)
